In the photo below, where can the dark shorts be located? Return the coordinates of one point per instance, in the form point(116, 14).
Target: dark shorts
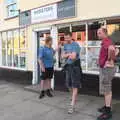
point(73, 76)
point(48, 74)
point(106, 76)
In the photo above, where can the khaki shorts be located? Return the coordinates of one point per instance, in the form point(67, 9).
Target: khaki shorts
point(105, 82)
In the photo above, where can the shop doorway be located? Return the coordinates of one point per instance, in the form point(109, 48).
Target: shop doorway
point(41, 35)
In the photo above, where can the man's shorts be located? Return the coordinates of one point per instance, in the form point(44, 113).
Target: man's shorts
point(105, 83)
point(48, 74)
point(73, 76)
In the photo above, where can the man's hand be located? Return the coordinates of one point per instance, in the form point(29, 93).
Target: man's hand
point(72, 56)
point(109, 64)
point(117, 51)
point(42, 68)
point(66, 55)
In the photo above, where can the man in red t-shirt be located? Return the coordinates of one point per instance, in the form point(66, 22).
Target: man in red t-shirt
point(107, 71)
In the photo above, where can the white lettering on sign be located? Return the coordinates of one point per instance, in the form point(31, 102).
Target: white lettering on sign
point(44, 13)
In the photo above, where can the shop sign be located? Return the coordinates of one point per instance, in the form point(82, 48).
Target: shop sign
point(60, 10)
point(44, 13)
point(66, 9)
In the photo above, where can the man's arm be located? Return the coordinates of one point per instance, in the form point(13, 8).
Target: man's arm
point(40, 61)
point(75, 52)
point(73, 55)
point(65, 55)
point(41, 65)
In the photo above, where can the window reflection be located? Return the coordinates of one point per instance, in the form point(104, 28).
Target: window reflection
point(93, 54)
point(22, 38)
point(4, 57)
point(12, 54)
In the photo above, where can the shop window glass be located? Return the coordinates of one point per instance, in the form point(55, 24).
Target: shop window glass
point(9, 57)
point(61, 42)
point(117, 62)
point(22, 38)
point(4, 57)
point(92, 34)
point(10, 40)
point(63, 29)
point(93, 55)
point(90, 49)
point(4, 39)
point(79, 34)
point(16, 57)
point(16, 39)
point(114, 34)
point(22, 58)
point(12, 54)
point(83, 58)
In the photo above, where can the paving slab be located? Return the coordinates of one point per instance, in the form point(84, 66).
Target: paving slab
point(18, 104)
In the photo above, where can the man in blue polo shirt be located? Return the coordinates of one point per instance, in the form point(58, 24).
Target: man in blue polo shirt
point(46, 62)
point(72, 68)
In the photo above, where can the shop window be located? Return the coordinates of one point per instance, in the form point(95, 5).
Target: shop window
point(23, 41)
point(61, 41)
point(3, 57)
point(9, 57)
point(92, 58)
point(11, 6)
point(93, 47)
point(83, 58)
point(92, 35)
point(22, 58)
point(90, 47)
point(63, 29)
point(23, 46)
point(16, 39)
point(4, 48)
point(78, 35)
point(114, 34)
point(12, 54)
point(10, 39)
point(4, 38)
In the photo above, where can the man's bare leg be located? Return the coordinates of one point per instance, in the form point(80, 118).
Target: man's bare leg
point(74, 98)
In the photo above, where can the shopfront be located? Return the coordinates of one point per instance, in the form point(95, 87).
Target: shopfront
point(19, 47)
point(85, 33)
point(13, 48)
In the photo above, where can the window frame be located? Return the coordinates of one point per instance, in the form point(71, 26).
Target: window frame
point(87, 71)
point(7, 9)
point(13, 49)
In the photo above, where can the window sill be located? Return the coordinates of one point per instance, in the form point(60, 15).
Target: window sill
point(90, 72)
point(97, 73)
point(13, 17)
point(13, 68)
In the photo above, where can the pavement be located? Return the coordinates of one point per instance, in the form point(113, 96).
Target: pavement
point(18, 104)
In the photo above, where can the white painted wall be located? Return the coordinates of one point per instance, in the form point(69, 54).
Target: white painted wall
point(88, 9)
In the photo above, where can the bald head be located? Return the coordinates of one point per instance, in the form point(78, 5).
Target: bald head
point(102, 33)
